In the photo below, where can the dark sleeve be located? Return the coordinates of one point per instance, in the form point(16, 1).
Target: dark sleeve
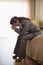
point(25, 28)
point(18, 30)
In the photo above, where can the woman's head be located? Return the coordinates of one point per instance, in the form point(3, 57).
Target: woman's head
point(16, 20)
point(13, 20)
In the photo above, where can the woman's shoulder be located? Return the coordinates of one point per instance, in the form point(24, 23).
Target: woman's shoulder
point(26, 22)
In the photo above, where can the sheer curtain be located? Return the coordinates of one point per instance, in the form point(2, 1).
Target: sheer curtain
point(32, 9)
point(10, 9)
point(8, 37)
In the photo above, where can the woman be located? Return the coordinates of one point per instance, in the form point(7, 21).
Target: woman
point(27, 30)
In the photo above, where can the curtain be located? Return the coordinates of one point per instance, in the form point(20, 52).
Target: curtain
point(32, 9)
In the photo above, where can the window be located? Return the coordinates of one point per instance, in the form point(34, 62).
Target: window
point(10, 9)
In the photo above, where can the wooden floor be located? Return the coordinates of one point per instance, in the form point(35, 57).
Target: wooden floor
point(19, 63)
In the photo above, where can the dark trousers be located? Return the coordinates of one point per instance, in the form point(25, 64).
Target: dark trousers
point(20, 48)
point(17, 45)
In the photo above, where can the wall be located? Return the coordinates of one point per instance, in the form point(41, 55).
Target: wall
point(39, 10)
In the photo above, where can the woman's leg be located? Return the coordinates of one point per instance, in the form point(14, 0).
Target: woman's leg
point(22, 49)
point(22, 45)
point(17, 46)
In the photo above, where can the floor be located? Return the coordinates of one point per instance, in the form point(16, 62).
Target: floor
point(19, 63)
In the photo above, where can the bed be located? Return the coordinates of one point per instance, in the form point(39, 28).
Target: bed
point(34, 49)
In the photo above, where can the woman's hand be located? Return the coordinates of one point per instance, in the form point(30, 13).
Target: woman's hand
point(13, 27)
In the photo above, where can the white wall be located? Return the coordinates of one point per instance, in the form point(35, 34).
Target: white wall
point(39, 10)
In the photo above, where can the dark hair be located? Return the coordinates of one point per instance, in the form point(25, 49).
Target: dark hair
point(23, 18)
point(13, 20)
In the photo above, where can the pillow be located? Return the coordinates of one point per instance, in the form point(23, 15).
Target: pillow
point(37, 23)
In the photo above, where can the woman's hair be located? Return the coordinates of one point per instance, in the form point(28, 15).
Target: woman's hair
point(23, 18)
point(14, 19)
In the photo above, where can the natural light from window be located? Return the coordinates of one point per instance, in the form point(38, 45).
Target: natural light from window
point(7, 36)
point(8, 10)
